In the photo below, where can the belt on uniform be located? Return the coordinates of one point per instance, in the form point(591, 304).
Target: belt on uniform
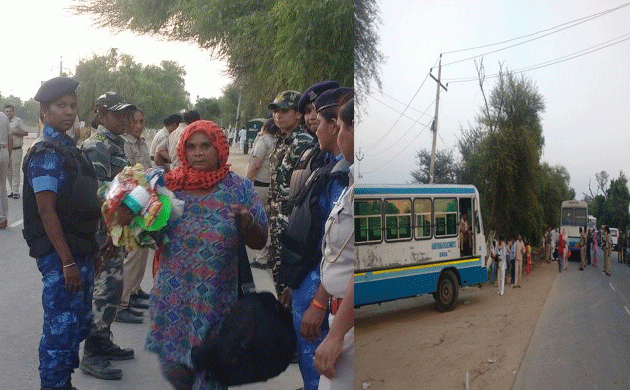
point(17, 147)
point(334, 305)
point(260, 184)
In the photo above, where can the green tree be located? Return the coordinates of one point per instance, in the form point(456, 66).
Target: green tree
point(367, 58)
point(554, 189)
point(157, 90)
point(446, 168)
point(615, 208)
point(269, 45)
point(501, 156)
point(209, 108)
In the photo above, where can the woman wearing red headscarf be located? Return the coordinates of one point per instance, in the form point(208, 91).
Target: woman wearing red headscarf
point(196, 282)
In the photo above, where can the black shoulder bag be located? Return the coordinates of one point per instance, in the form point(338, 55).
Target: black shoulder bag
point(256, 340)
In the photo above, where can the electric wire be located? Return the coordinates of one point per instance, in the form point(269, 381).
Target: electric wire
point(405, 134)
point(589, 17)
point(526, 41)
point(555, 61)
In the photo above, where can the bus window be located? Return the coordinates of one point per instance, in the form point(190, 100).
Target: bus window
point(367, 221)
point(445, 214)
point(397, 219)
point(567, 216)
point(580, 217)
point(422, 211)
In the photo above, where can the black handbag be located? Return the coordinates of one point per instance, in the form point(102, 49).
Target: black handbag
point(255, 341)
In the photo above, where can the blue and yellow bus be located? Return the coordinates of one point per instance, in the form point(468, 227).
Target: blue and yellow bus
point(417, 239)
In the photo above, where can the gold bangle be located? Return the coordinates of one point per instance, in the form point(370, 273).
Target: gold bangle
point(69, 264)
point(318, 304)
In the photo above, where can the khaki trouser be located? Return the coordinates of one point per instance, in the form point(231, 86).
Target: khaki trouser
point(607, 260)
point(4, 171)
point(547, 252)
point(583, 256)
point(16, 169)
point(518, 269)
point(133, 272)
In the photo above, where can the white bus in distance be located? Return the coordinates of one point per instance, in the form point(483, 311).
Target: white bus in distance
point(573, 217)
point(408, 242)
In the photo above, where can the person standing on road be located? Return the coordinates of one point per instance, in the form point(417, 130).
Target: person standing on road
point(105, 149)
point(595, 245)
point(61, 213)
point(6, 146)
point(548, 245)
point(171, 123)
point(588, 247)
point(583, 239)
point(18, 132)
point(493, 259)
point(511, 251)
point(292, 141)
point(259, 172)
point(519, 249)
point(135, 262)
point(502, 253)
point(607, 245)
point(560, 252)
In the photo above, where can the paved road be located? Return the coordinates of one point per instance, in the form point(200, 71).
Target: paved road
point(582, 338)
point(21, 324)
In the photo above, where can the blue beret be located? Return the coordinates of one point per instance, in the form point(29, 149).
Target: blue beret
point(56, 88)
point(314, 91)
point(331, 97)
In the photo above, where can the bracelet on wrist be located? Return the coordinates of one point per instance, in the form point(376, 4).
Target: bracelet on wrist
point(69, 265)
point(318, 305)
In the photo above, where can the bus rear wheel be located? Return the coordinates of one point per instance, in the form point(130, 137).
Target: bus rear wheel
point(447, 291)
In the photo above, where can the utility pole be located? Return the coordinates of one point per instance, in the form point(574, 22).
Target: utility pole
point(359, 156)
point(435, 120)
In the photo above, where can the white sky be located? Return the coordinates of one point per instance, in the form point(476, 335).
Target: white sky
point(36, 33)
point(585, 123)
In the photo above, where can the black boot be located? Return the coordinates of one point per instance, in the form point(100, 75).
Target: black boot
point(99, 367)
point(105, 347)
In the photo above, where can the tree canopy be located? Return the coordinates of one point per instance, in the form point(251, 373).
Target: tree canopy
point(446, 167)
point(367, 57)
point(269, 45)
point(157, 90)
point(501, 156)
point(611, 207)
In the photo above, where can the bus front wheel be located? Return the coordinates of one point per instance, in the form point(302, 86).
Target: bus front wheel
point(447, 292)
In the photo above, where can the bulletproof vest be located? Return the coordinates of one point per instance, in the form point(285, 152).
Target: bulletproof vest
point(311, 159)
point(302, 238)
point(78, 207)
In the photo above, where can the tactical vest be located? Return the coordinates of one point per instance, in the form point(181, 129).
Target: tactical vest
point(78, 207)
point(302, 238)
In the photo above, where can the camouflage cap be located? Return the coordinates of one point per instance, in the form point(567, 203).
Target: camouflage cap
point(285, 100)
point(111, 101)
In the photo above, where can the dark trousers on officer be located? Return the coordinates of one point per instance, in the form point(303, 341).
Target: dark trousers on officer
point(67, 319)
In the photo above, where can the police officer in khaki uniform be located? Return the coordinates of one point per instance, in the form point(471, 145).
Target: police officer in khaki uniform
point(582, 248)
point(607, 245)
point(6, 144)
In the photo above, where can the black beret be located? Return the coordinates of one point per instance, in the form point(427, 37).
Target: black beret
point(331, 97)
point(314, 91)
point(56, 88)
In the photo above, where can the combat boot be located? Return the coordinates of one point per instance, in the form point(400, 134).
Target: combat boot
point(105, 347)
point(99, 367)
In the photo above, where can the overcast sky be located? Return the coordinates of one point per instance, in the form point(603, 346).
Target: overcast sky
point(36, 33)
point(587, 116)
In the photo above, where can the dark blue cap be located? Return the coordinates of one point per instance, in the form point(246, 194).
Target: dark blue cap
point(56, 88)
point(331, 97)
point(314, 91)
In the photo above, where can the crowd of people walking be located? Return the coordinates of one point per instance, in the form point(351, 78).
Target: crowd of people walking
point(299, 181)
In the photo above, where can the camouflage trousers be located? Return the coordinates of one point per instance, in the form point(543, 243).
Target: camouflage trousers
point(277, 225)
point(108, 287)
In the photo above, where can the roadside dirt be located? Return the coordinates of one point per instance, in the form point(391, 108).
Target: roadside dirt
point(408, 344)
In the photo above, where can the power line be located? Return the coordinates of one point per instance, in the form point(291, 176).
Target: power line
point(555, 61)
point(398, 101)
point(371, 146)
point(533, 39)
point(403, 136)
point(590, 17)
point(395, 110)
point(398, 154)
